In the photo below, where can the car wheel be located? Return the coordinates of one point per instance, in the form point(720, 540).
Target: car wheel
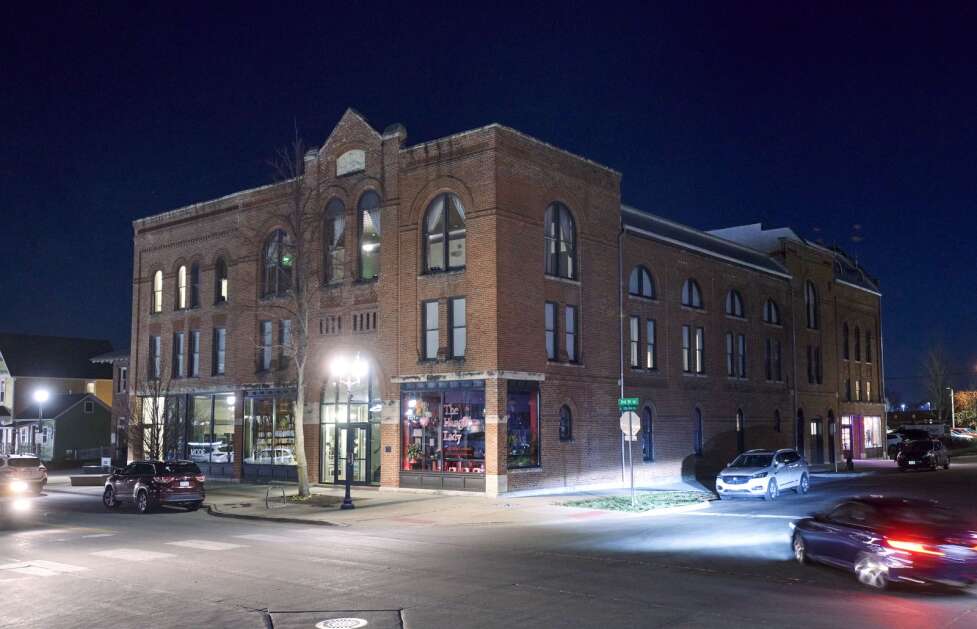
point(108, 498)
point(946, 465)
point(805, 485)
point(772, 490)
point(142, 502)
point(193, 506)
point(800, 549)
point(872, 572)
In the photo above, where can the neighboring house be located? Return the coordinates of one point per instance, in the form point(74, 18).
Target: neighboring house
point(71, 427)
point(119, 360)
point(59, 365)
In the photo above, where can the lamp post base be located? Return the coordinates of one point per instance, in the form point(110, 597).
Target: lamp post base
point(347, 503)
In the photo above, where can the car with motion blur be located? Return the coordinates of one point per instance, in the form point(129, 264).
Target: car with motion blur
point(20, 473)
point(927, 454)
point(887, 539)
point(764, 474)
point(149, 484)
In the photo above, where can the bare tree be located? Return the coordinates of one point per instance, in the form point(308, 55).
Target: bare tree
point(299, 215)
point(937, 380)
point(149, 429)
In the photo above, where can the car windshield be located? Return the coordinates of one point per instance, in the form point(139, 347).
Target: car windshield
point(26, 461)
point(178, 468)
point(752, 460)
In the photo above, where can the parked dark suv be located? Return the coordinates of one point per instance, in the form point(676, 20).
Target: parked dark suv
point(148, 484)
point(925, 453)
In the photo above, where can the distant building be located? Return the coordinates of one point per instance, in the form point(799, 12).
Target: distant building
point(896, 419)
point(121, 411)
point(59, 365)
point(72, 428)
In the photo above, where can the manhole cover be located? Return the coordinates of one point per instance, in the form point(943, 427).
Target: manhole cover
point(341, 623)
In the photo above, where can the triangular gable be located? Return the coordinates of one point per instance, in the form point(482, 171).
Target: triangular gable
point(352, 127)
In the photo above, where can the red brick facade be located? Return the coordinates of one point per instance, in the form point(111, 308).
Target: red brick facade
point(505, 181)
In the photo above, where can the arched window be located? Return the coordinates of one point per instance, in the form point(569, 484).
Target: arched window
point(647, 435)
point(181, 287)
point(368, 210)
point(776, 421)
point(220, 281)
point(691, 294)
point(844, 341)
point(560, 235)
point(740, 431)
point(858, 343)
point(640, 283)
point(771, 312)
point(734, 304)
point(334, 241)
point(194, 285)
point(697, 438)
point(811, 304)
point(278, 261)
point(157, 303)
point(566, 423)
point(444, 234)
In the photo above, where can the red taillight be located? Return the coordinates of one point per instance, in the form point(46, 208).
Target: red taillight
point(913, 547)
point(199, 478)
point(166, 480)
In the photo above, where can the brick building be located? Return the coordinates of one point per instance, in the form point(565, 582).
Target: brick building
point(498, 291)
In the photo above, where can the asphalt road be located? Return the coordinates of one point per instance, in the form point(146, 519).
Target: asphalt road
point(76, 565)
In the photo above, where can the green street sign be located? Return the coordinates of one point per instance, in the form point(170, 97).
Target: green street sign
point(628, 404)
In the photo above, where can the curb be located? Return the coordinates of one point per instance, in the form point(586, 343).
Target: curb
point(698, 506)
point(841, 475)
point(215, 511)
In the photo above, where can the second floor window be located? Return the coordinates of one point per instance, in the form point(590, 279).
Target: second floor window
point(730, 356)
point(651, 355)
point(157, 292)
point(868, 346)
point(570, 332)
point(550, 327)
point(772, 361)
point(634, 333)
point(700, 350)
point(181, 287)
point(858, 390)
point(691, 294)
point(432, 342)
point(178, 355)
point(369, 235)
point(858, 343)
point(693, 349)
point(560, 237)
point(220, 350)
point(277, 260)
point(194, 354)
point(741, 356)
point(284, 342)
point(444, 234)
point(264, 346)
point(155, 367)
point(458, 325)
point(334, 241)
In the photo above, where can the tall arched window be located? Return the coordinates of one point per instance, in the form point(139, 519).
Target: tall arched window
point(640, 283)
point(194, 285)
point(647, 435)
point(220, 281)
point(734, 304)
point(566, 423)
point(334, 241)
point(560, 235)
point(858, 343)
point(844, 341)
point(444, 234)
point(278, 260)
point(740, 431)
point(697, 438)
point(181, 287)
point(691, 294)
point(771, 312)
point(157, 303)
point(811, 305)
point(368, 210)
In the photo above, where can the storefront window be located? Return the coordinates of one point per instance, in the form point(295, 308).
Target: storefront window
point(269, 431)
point(211, 433)
point(523, 420)
point(443, 429)
point(846, 434)
point(873, 431)
point(222, 450)
point(174, 432)
point(200, 440)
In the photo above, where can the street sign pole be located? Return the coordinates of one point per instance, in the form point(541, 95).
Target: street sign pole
point(631, 453)
point(630, 426)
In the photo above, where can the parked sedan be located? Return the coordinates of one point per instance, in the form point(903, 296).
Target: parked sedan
point(926, 454)
point(764, 474)
point(148, 484)
point(884, 539)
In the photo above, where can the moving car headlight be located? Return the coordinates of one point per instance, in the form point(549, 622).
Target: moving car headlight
point(21, 505)
point(18, 486)
point(759, 475)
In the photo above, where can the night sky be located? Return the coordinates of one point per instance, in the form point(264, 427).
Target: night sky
point(834, 121)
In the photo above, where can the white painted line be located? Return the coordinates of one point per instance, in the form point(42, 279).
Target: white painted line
point(713, 514)
point(263, 537)
point(204, 545)
point(131, 554)
point(56, 566)
point(94, 535)
point(34, 571)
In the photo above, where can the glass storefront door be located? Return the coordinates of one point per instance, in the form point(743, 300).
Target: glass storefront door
point(347, 440)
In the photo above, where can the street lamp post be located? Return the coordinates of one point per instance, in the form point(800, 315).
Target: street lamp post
point(40, 396)
point(348, 373)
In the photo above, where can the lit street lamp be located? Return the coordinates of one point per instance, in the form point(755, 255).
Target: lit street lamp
point(349, 373)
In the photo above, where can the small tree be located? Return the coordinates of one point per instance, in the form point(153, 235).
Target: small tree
point(148, 427)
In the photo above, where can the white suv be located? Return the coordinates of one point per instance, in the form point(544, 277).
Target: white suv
point(764, 474)
point(22, 472)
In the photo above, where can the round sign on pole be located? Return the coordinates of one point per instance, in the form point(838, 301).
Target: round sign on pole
point(630, 424)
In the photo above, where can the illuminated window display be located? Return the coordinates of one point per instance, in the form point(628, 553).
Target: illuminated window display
point(443, 429)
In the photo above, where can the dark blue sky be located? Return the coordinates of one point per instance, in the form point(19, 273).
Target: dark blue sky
point(819, 117)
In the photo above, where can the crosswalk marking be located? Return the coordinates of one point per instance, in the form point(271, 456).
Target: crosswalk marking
point(132, 554)
point(204, 544)
point(56, 566)
point(263, 537)
point(94, 535)
point(39, 568)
